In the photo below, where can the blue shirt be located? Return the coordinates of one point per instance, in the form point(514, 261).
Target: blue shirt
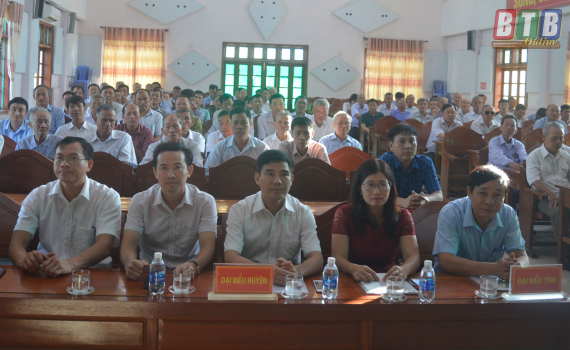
point(458, 233)
point(501, 153)
point(539, 124)
point(355, 109)
point(47, 148)
point(333, 143)
point(205, 114)
point(421, 173)
point(207, 101)
point(399, 115)
point(57, 118)
point(23, 131)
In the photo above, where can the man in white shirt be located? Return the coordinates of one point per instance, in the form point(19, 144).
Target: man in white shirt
point(117, 143)
point(78, 126)
point(256, 103)
point(224, 131)
point(512, 105)
point(340, 137)
point(171, 217)
point(91, 111)
point(388, 106)
point(282, 126)
point(322, 123)
point(272, 227)
point(357, 110)
point(457, 99)
point(520, 111)
point(241, 143)
point(301, 105)
point(227, 102)
point(485, 123)
point(422, 115)
point(41, 141)
point(186, 115)
point(109, 93)
point(150, 119)
point(42, 96)
point(441, 101)
point(156, 100)
point(79, 219)
point(266, 123)
point(439, 127)
point(303, 146)
point(503, 110)
point(547, 167)
point(464, 114)
point(265, 94)
point(410, 99)
point(172, 130)
point(92, 90)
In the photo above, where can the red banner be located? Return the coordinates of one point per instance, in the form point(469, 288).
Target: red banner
point(536, 279)
point(237, 278)
point(536, 4)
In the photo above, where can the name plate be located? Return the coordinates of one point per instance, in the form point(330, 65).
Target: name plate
point(241, 279)
point(536, 279)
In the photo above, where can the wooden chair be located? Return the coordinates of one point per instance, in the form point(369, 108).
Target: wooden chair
point(220, 240)
point(527, 123)
point(255, 127)
point(110, 171)
point(425, 222)
point(478, 157)
point(68, 120)
point(24, 170)
point(348, 159)
point(207, 126)
point(415, 123)
point(324, 230)
point(468, 124)
point(9, 146)
point(493, 133)
point(380, 138)
point(423, 137)
point(234, 179)
point(518, 134)
point(532, 138)
point(567, 139)
point(315, 180)
point(455, 165)
point(8, 218)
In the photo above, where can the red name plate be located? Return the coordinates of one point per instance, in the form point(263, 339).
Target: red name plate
point(536, 279)
point(251, 279)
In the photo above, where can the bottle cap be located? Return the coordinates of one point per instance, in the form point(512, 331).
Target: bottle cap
point(331, 260)
point(427, 263)
point(158, 255)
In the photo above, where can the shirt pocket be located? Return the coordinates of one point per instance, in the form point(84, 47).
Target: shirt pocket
point(563, 169)
point(84, 238)
point(291, 249)
point(185, 242)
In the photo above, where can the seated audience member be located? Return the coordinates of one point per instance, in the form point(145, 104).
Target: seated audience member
point(401, 114)
point(91, 90)
point(368, 119)
point(210, 99)
point(485, 123)
point(141, 135)
point(266, 122)
point(79, 219)
point(347, 106)
point(303, 146)
point(388, 106)
point(410, 99)
point(477, 103)
point(503, 110)
point(124, 91)
point(150, 118)
point(301, 105)
point(265, 94)
point(109, 93)
point(183, 101)
point(241, 143)
point(412, 172)
point(422, 115)
point(464, 114)
point(117, 143)
point(564, 113)
point(78, 127)
point(156, 100)
point(512, 105)
point(322, 123)
point(369, 232)
point(504, 150)
point(187, 133)
point(540, 113)
point(165, 103)
point(119, 98)
point(226, 104)
point(64, 98)
point(474, 232)
point(441, 101)
point(340, 137)
point(91, 111)
point(552, 115)
point(256, 104)
point(457, 99)
point(255, 231)
point(148, 87)
point(171, 217)
point(224, 131)
point(132, 97)
point(282, 127)
point(439, 127)
point(16, 127)
point(174, 95)
point(520, 111)
point(40, 141)
point(433, 109)
point(42, 96)
point(172, 131)
point(356, 111)
point(199, 100)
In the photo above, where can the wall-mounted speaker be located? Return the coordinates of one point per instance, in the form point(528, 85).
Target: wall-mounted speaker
point(471, 40)
point(71, 27)
point(39, 9)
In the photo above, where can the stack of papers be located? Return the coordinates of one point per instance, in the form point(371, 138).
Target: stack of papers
point(381, 288)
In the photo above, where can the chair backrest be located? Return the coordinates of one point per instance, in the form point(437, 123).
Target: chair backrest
point(110, 171)
point(348, 159)
point(384, 124)
point(518, 134)
point(9, 146)
point(324, 229)
point(316, 180)
point(468, 124)
point(567, 139)
point(462, 139)
point(423, 134)
point(532, 138)
point(522, 178)
point(527, 124)
point(484, 155)
point(233, 179)
point(255, 127)
point(23, 170)
point(439, 87)
point(8, 217)
point(83, 73)
point(425, 222)
point(415, 123)
point(206, 126)
point(491, 134)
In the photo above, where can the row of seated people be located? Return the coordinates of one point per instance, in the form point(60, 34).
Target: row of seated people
point(79, 222)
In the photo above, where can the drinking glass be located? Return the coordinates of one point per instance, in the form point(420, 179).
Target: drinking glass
point(80, 281)
point(488, 286)
point(181, 282)
point(294, 286)
point(395, 287)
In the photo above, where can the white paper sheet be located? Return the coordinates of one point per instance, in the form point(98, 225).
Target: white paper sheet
point(380, 287)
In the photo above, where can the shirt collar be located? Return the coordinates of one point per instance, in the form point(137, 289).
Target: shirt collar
point(296, 151)
point(469, 219)
point(113, 136)
point(258, 205)
point(84, 191)
point(186, 199)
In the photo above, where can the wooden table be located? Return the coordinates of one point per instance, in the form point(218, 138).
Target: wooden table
point(38, 313)
point(563, 239)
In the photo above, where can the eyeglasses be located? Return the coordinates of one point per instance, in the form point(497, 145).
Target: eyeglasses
point(384, 186)
point(70, 160)
point(489, 112)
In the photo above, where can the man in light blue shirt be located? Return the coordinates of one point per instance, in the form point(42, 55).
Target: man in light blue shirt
point(357, 109)
point(199, 100)
point(474, 233)
point(552, 115)
point(504, 150)
point(40, 141)
point(117, 143)
point(42, 95)
point(213, 89)
point(340, 138)
point(410, 99)
point(16, 127)
point(401, 113)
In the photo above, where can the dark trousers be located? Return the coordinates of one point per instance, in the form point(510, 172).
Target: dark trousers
point(354, 133)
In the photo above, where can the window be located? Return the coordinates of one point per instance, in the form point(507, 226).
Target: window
point(256, 66)
point(510, 75)
point(4, 80)
point(43, 77)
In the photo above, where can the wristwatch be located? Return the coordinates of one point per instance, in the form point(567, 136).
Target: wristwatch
point(197, 266)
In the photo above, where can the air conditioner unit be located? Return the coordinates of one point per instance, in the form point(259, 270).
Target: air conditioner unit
point(51, 14)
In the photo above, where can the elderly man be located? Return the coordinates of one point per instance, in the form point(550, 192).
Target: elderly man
point(422, 115)
point(282, 126)
point(303, 146)
point(92, 90)
point(78, 127)
point(91, 111)
point(224, 131)
point(412, 172)
point(322, 123)
point(552, 115)
point(172, 130)
point(132, 97)
point(504, 150)
point(457, 99)
point(140, 134)
point(410, 99)
point(441, 101)
point(503, 110)
point(266, 123)
point(183, 101)
point(42, 96)
point(40, 141)
point(187, 215)
point(485, 123)
point(356, 111)
point(15, 127)
point(401, 114)
point(186, 115)
point(109, 93)
point(156, 100)
point(388, 106)
point(79, 219)
point(213, 89)
point(117, 143)
point(150, 118)
point(340, 137)
point(464, 112)
point(439, 127)
point(433, 108)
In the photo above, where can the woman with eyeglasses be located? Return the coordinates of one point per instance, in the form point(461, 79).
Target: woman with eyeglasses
point(368, 233)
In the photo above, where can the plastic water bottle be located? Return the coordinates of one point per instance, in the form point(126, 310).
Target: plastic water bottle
point(157, 275)
point(427, 282)
point(330, 280)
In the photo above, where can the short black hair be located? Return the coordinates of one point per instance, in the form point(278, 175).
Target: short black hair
point(188, 93)
point(264, 89)
point(274, 96)
point(388, 93)
point(157, 83)
point(238, 103)
point(123, 86)
point(108, 87)
point(172, 147)
point(141, 90)
point(485, 173)
point(226, 97)
point(256, 96)
point(301, 121)
point(405, 129)
point(372, 100)
point(563, 107)
point(521, 106)
point(67, 93)
point(503, 101)
point(78, 86)
point(223, 113)
point(199, 92)
point(446, 106)
point(128, 104)
point(213, 87)
point(240, 110)
point(88, 152)
point(273, 156)
point(510, 116)
point(399, 95)
point(353, 97)
point(18, 100)
point(541, 113)
point(98, 89)
point(298, 97)
point(75, 99)
point(176, 88)
point(157, 90)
